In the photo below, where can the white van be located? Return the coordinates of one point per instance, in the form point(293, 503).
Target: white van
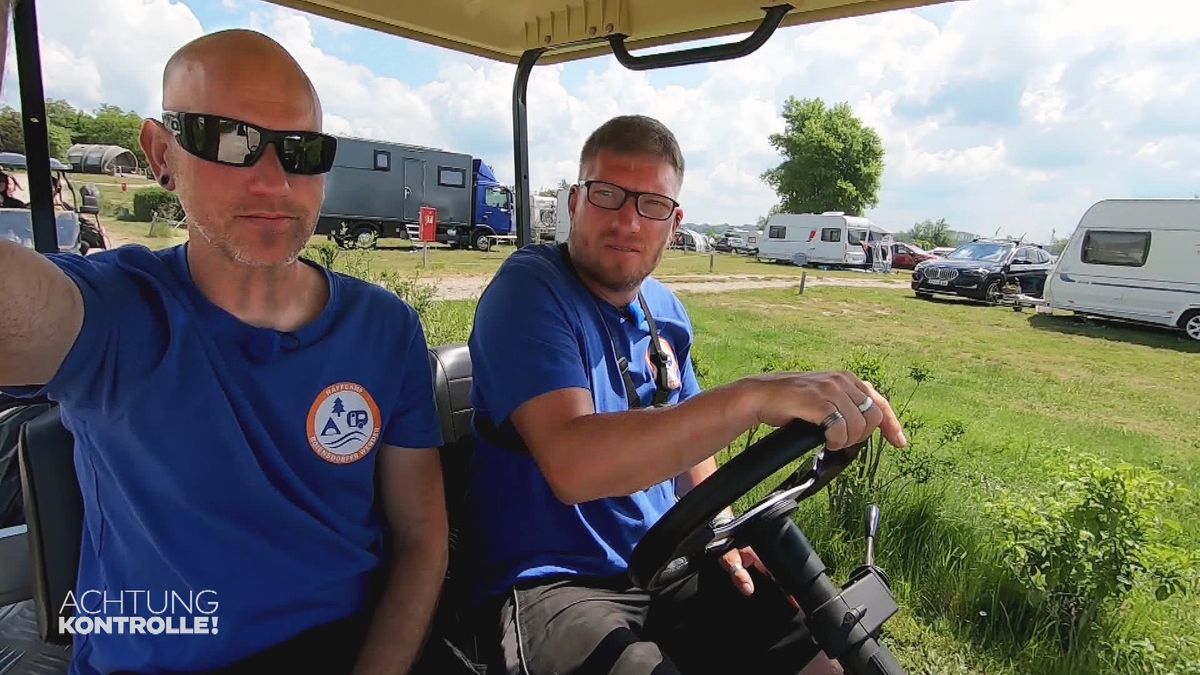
point(818, 239)
point(1133, 259)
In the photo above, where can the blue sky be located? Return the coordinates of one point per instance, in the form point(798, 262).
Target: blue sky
point(1008, 115)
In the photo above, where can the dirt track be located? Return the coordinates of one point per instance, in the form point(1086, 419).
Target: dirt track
point(463, 288)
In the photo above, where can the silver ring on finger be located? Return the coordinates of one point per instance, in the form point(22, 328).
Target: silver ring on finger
point(866, 405)
point(834, 417)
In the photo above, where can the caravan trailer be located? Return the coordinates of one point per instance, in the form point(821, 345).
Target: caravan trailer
point(818, 239)
point(1134, 260)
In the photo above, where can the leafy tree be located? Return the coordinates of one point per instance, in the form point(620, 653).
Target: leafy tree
point(832, 161)
point(113, 126)
point(65, 115)
point(12, 134)
point(930, 234)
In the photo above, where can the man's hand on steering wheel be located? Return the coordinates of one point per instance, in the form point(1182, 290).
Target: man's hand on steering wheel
point(846, 407)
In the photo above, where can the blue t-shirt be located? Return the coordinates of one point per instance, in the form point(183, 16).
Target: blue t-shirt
point(228, 464)
point(537, 330)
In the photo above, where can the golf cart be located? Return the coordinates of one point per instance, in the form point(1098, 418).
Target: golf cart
point(84, 203)
point(38, 560)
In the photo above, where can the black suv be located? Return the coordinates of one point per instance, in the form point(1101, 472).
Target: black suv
point(981, 269)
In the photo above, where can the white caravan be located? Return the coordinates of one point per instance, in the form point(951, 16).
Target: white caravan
point(562, 227)
point(1133, 259)
point(818, 239)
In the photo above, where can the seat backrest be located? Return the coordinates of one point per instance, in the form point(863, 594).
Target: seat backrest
point(54, 516)
point(451, 366)
point(452, 384)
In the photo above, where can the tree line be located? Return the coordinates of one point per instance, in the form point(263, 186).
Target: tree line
point(68, 125)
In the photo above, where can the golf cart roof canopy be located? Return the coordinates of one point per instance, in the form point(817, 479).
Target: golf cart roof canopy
point(575, 29)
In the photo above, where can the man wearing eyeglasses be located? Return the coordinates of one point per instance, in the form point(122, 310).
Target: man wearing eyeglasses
point(234, 407)
point(589, 423)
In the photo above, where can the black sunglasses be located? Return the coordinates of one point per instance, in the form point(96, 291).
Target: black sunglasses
point(237, 143)
point(612, 197)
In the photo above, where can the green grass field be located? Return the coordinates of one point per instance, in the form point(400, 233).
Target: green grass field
point(1027, 390)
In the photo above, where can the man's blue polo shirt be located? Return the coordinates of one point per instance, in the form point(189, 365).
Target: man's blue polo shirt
point(228, 471)
point(538, 329)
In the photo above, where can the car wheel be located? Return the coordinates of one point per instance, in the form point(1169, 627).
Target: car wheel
point(1190, 323)
point(991, 292)
point(365, 237)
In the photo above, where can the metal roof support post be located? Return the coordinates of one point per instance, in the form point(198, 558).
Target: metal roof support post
point(33, 113)
point(521, 146)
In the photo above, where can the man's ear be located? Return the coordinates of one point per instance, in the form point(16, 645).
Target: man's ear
point(572, 200)
point(155, 141)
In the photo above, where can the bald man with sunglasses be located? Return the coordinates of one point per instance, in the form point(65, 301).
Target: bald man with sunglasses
point(233, 446)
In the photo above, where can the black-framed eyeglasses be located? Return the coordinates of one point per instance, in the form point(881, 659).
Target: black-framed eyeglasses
point(236, 143)
point(612, 197)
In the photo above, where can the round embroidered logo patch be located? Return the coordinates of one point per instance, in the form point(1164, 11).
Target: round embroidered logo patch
point(343, 423)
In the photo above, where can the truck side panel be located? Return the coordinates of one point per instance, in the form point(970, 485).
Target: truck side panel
point(387, 183)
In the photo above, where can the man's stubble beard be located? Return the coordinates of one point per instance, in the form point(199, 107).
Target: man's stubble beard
point(241, 256)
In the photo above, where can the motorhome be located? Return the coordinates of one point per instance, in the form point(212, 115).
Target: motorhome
point(377, 188)
point(833, 239)
point(1134, 260)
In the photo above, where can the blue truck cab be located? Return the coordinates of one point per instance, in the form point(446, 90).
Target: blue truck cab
point(492, 212)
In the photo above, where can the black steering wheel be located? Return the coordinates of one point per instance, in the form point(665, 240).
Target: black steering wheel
point(686, 533)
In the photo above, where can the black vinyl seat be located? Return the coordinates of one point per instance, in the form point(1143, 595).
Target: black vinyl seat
point(30, 641)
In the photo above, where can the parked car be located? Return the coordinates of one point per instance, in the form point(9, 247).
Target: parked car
point(982, 269)
point(941, 251)
point(736, 242)
point(906, 256)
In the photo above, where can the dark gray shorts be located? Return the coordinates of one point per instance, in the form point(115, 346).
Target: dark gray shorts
point(701, 624)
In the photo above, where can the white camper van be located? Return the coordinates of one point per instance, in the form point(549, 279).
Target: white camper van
point(1133, 259)
point(818, 239)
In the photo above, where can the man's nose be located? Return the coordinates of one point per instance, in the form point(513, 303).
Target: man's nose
point(267, 174)
point(628, 216)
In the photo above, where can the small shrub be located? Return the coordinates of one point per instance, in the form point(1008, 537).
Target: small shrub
point(357, 264)
point(870, 479)
point(150, 201)
point(1083, 548)
point(324, 253)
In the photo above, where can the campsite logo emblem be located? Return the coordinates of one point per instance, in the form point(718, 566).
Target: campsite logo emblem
point(343, 423)
point(674, 380)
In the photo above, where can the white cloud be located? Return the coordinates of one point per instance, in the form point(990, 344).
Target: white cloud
point(111, 56)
